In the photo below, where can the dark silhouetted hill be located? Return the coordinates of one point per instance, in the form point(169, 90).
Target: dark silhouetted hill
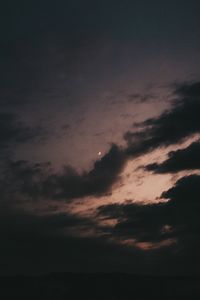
point(113, 286)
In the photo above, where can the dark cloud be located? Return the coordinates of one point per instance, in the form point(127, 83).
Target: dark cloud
point(46, 242)
point(14, 131)
point(186, 190)
point(188, 90)
point(38, 180)
point(177, 218)
point(183, 159)
point(172, 126)
point(98, 181)
point(31, 243)
point(143, 223)
point(41, 224)
point(23, 178)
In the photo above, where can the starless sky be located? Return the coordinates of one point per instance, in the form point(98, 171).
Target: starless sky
point(99, 136)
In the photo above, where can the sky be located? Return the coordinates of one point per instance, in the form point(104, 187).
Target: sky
point(99, 137)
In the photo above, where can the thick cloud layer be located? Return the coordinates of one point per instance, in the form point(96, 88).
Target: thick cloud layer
point(39, 180)
point(171, 127)
point(177, 218)
point(183, 159)
point(96, 182)
point(186, 190)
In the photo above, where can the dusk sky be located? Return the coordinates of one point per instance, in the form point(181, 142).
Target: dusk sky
point(100, 136)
